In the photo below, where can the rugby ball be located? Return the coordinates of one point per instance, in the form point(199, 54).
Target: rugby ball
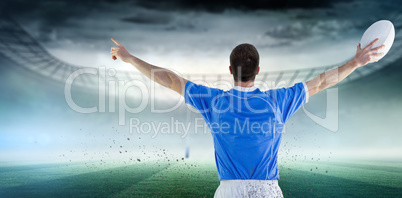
point(384, 30)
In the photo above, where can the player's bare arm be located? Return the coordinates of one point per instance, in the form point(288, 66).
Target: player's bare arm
point(332, 77)
point(160, 75)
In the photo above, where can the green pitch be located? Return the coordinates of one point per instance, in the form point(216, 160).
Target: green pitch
point(184, 178)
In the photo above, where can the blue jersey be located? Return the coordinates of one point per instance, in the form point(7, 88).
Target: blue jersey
point(246, 125)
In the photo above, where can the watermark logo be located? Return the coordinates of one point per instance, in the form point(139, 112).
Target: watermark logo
point(114, 92)
point(330, 121)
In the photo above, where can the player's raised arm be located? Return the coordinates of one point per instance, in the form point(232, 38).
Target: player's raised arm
point(332, 77)
point(160, 75)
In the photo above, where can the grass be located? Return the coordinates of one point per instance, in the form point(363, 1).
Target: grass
point(190, 179)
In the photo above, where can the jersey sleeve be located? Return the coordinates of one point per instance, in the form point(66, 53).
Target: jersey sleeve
point(200, 97)
point(289, 100)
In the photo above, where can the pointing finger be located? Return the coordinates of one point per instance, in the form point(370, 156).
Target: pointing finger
point(117, 43)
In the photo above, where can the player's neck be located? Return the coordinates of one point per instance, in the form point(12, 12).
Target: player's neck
point(244, 84)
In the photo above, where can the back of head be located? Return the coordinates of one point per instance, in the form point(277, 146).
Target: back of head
point(244, 61)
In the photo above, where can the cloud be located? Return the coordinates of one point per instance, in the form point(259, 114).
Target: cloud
point(290, 31)
point(149, 17)
point(195, 40)
point(220, 6)
point(305, 29)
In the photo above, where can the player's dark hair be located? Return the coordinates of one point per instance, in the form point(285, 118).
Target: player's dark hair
point(244, 61)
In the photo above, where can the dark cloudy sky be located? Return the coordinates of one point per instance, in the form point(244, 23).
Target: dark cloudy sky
point(198, 36)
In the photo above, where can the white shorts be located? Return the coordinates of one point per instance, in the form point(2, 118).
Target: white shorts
point(248, 188)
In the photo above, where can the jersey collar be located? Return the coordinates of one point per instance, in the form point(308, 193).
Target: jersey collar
point(245, 89)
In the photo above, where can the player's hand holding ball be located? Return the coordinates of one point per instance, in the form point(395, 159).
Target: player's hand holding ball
point(368, 55)
point(375, 43)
